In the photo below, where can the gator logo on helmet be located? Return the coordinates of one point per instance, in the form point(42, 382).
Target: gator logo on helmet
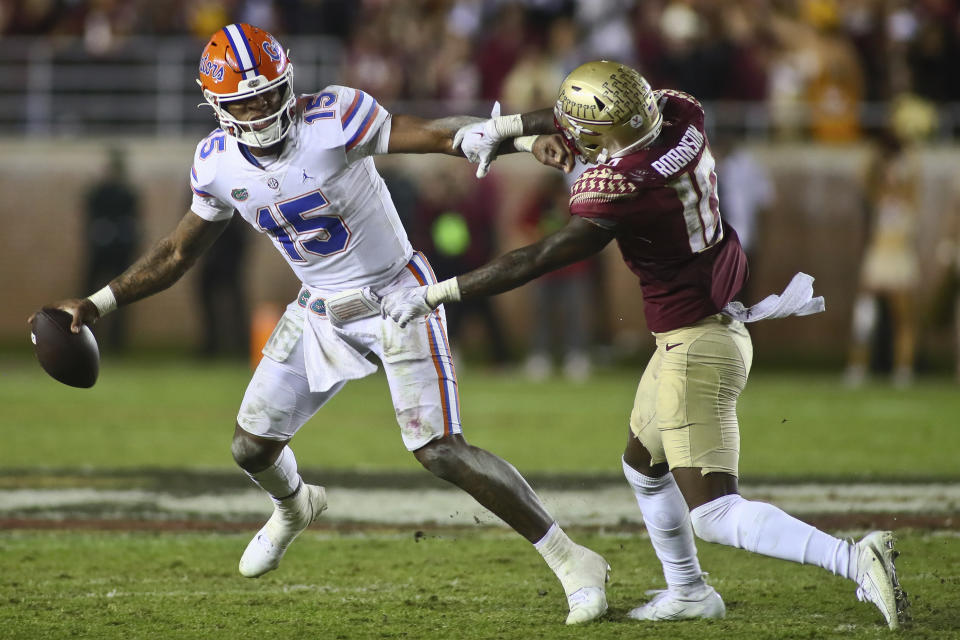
point(272, 49)
point(240, 194)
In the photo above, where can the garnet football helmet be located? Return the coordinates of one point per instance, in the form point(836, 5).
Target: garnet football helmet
point(606, 109)
point(239, 62)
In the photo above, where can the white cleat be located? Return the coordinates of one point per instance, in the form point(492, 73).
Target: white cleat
point(290, 516)
point(700, 602)
point(877, 577)
point(584, 577)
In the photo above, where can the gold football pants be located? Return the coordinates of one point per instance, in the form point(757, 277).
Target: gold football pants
point(685, 410)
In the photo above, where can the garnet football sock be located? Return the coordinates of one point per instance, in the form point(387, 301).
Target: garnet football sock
point(281, 479)
point(765, 529)
point(667, 520)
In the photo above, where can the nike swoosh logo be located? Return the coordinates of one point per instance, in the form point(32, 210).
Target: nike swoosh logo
point(674, 345)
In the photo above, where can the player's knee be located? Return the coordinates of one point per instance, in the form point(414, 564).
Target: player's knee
point(717, 521)
point(701, 526)
point(440, 457)
point(252, 454)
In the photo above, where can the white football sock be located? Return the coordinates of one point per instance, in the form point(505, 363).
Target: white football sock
point(765, 529)
point(667, 520)
point(281, 479)
point(555, 547)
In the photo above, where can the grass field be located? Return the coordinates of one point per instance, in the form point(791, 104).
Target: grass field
point(166, 414)
point(171, 413)
point(451, 585)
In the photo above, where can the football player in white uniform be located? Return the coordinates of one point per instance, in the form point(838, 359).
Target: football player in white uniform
point(299, 169)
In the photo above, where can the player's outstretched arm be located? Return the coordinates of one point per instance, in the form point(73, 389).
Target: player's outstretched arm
point(158, 269)
point(538, 122)
point(410, 134)
point(482, 142)
point(579, 239)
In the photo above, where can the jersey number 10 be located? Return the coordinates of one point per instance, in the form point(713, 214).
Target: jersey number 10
point(697, 191)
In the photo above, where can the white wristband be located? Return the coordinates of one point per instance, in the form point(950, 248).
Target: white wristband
point(524, 143)
point(509, 126)
point(446, 291)
point(104, 300)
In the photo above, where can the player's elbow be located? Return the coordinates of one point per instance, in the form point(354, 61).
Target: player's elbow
point(545, 258)
point(527, 264)
point(177, 261)
point(170, 261)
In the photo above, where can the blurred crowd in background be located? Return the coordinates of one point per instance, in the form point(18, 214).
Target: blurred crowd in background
point(821, 71)
point(815, 63)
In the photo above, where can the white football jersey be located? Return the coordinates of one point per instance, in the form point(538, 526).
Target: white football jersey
point(322, 202)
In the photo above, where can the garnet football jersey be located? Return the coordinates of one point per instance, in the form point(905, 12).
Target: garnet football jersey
point(662, 203)
point(321, 201)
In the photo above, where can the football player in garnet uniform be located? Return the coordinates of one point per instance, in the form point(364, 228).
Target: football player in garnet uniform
point(654, 191)
point(300, 170)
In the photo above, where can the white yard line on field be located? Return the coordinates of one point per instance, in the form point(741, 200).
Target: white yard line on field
point(606, 505)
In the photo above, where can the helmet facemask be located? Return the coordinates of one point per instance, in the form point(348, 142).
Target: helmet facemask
point(606, 110)
point(262, 132)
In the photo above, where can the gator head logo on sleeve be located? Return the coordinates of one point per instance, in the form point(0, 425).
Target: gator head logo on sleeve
point(240, 194)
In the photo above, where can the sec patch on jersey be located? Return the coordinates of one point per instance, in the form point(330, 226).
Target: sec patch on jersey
point(71, 358)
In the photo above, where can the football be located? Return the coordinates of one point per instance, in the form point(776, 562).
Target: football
point(71, 358)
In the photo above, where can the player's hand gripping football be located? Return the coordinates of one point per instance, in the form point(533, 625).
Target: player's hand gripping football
point(404, 305)
point(82, 310)
point(479, 141)
point(551, 151)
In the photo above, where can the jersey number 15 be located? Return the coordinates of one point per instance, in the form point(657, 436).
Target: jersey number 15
point(298, 228)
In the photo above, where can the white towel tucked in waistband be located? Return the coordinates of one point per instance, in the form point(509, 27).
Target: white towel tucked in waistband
point(796, 300)
point(329, 358)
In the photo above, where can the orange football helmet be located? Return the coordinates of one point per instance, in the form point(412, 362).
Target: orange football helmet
point(241, 61)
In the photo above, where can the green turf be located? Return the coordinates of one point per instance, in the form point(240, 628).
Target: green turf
point(461, 584)
point(168, 413)
point(173, 413)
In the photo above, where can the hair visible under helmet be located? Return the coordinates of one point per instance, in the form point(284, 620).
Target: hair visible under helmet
point(605, 110)
point(239, 62)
